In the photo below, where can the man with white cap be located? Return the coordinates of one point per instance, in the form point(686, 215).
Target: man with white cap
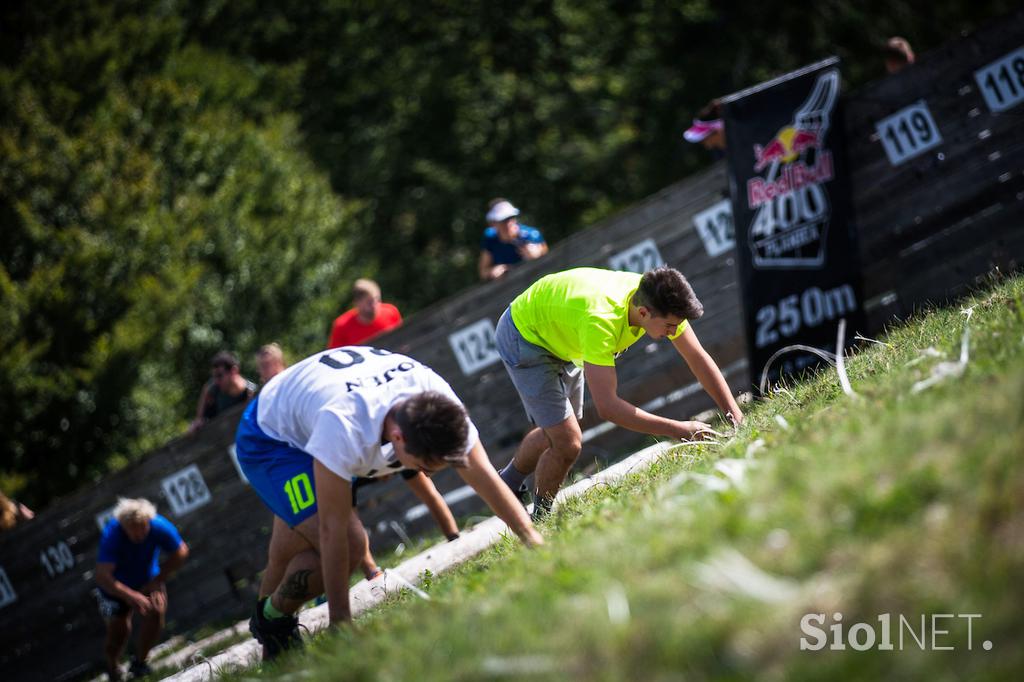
point(506, 242)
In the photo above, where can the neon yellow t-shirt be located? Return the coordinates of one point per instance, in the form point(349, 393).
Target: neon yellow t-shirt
point(580, 315)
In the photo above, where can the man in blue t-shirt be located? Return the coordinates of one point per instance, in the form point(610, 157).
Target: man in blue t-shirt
point(506, 242)
point(131, 578)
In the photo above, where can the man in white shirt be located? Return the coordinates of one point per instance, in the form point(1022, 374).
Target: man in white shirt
point(348, 412)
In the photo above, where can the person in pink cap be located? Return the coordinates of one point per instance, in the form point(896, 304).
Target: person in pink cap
point(708, 129)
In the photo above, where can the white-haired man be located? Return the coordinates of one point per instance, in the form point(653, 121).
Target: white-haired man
point(131, 578)
point(344, 413)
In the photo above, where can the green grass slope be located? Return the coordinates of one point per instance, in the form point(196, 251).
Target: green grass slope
point(891, 502)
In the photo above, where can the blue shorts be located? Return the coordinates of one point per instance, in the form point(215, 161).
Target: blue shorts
point(281, 475)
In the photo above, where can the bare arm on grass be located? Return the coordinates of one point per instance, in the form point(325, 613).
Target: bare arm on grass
point(481, 476)
point(334, 506)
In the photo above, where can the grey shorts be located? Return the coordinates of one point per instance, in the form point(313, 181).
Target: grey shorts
point(551, 388)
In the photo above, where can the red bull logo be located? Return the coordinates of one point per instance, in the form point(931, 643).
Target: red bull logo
point(787, 191)
point(787, 146)
point(793, 177)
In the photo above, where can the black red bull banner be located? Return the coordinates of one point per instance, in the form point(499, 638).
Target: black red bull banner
point(795, 240)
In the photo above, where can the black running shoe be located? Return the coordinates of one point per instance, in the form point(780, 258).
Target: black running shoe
point(275, 634)
point(139, 669)
point(523, 495)
point(541, 508)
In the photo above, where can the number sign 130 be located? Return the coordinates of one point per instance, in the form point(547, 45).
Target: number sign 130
point(185, 490)
point(1002, 81)
point(909, 132)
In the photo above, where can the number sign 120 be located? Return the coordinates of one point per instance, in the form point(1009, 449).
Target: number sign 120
point(909, 132)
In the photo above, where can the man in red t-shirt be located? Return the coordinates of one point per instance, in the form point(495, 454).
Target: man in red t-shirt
point(367, 319)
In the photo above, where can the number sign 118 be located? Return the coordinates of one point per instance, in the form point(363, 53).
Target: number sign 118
point(1002, 81)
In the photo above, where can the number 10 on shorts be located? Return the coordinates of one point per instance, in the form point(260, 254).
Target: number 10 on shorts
point(300, 492)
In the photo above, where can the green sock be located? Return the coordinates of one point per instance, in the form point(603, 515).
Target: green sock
point(269, 612)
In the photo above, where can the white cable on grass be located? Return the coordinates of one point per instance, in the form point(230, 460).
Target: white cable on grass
point(198, 659)
point(946, 370)
point(823, 354)
point(781, 421)
point(402, 582)
point(518, 666)
point(754, 448)
point(714, 484)
point(735, 470)
point(618, 604)
point(964, 343)
point(859, 337)
point(929, 352)
point(731, 572)
point(844, 380)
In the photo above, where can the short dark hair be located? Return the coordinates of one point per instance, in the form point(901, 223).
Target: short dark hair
point(224, 360)
point(664, 291)
point(435, 428)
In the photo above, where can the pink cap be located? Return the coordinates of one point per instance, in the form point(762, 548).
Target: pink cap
point(701, 129)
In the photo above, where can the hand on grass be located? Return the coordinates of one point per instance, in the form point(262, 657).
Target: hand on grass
point(695, 430)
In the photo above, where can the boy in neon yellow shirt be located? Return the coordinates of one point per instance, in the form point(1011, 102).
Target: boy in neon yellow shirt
point(570, 326)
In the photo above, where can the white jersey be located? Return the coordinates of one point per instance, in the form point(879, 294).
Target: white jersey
point(332, 405)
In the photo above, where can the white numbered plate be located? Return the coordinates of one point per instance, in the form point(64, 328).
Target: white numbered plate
point(474, 346)
point(640, 258)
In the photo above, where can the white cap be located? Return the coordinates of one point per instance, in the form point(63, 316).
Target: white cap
point(502, 210)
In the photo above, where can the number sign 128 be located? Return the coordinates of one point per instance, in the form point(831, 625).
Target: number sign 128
point(185, 490)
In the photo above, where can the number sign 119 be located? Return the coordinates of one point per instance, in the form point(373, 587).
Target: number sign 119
point(909, 132)
point(1002, 81)
point(474, 346)
point(185, 490)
